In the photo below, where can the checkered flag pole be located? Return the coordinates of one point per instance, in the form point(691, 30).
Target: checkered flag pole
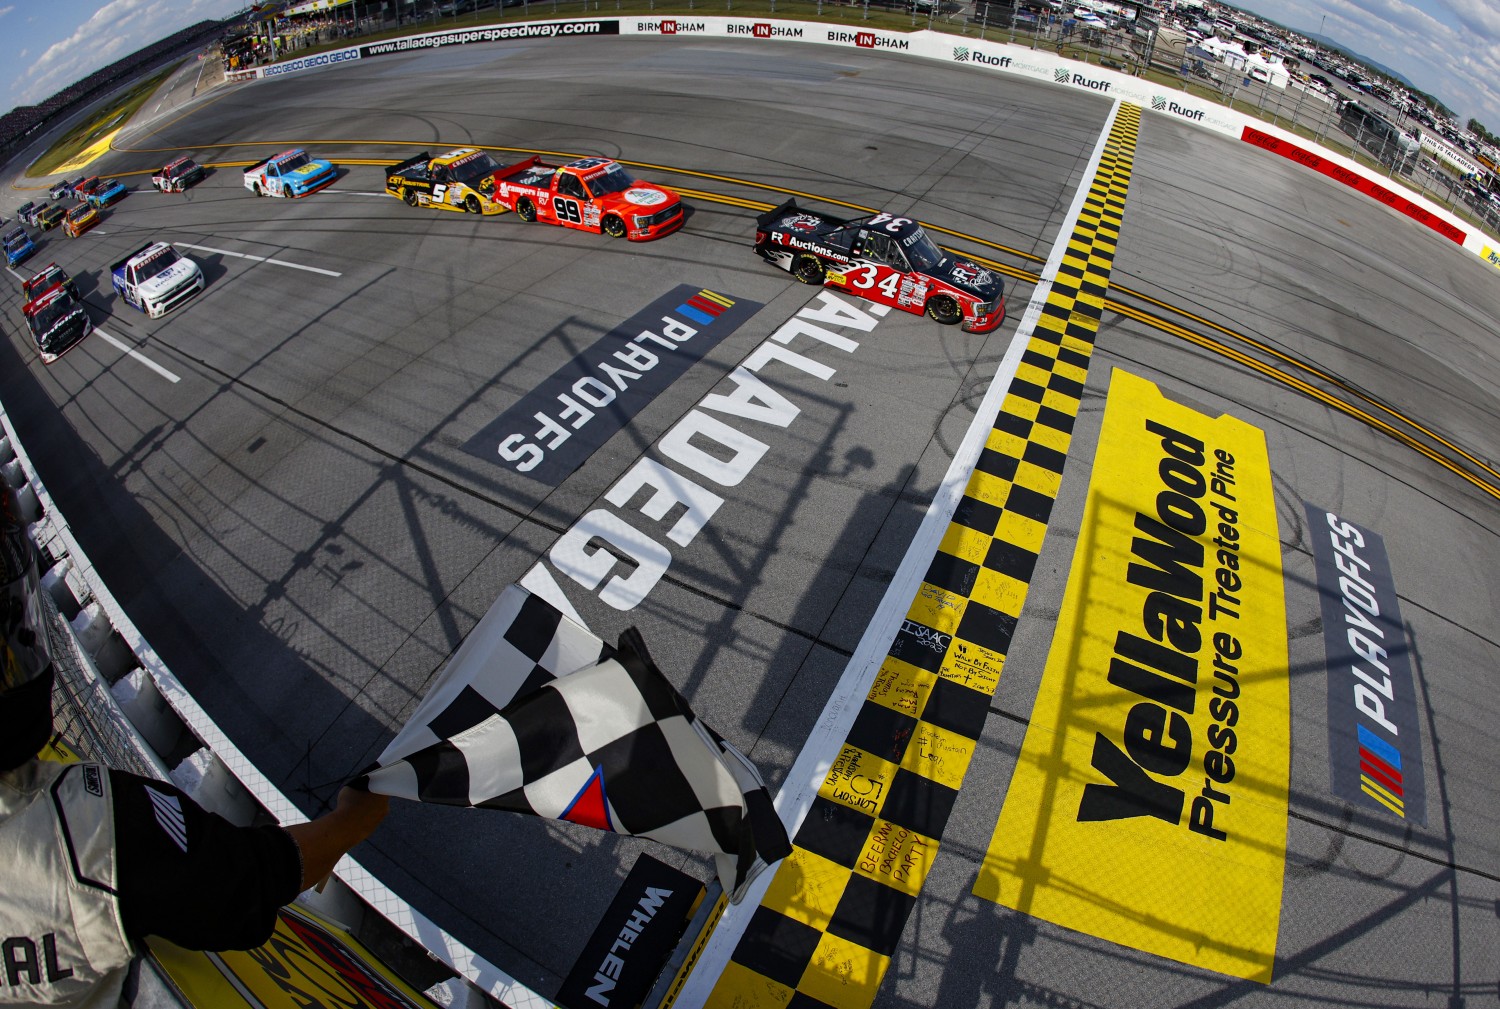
point(541, 717)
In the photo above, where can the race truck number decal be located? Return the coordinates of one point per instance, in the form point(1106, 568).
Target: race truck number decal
point(438, 190)
point(891, 224)
point(864, 277)
point(568, 210)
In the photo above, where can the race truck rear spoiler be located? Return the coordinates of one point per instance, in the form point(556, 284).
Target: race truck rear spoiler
point(121, 264)
point(506, 171)
point(770, 217)
point(412, 162)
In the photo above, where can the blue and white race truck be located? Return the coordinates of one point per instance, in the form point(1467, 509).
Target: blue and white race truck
point(291, 173)
point(156, 278)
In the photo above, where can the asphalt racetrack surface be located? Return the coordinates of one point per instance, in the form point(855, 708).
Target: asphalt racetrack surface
point(281, 499)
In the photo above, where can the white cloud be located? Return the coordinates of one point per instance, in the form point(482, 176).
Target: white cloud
point(1447, 48)
point(115, 30)
point(6, 10)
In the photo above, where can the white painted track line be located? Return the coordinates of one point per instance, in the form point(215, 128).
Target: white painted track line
point(259, 259)
point(164, 373)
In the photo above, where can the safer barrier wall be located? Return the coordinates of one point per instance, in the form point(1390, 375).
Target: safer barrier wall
point(217, 775)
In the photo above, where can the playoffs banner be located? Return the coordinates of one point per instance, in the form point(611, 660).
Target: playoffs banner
point(1149, 802)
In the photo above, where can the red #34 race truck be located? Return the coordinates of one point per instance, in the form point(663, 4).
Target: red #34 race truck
point(885, 259)
point(591, 194)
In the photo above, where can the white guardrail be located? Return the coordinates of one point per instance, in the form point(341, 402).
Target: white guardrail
point(222, 778)
point(218, 776)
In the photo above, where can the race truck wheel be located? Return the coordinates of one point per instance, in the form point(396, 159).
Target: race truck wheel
point(471, 205)
point(258, 191)
point(944, 309)
point(613, 227)
point(809, 269)
point(410, 196)
point(525, 209)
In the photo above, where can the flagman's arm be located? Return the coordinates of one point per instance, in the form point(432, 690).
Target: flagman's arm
point(325, 840)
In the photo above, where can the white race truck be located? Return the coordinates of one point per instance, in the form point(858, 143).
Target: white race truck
point(156, 278)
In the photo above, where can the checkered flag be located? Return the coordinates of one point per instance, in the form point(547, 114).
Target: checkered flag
point(536, 715)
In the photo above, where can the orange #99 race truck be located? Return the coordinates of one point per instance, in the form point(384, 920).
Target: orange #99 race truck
point(461, 180)
point(591, 194)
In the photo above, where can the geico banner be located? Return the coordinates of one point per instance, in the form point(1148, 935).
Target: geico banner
point(309, 62)
point(1149, 802)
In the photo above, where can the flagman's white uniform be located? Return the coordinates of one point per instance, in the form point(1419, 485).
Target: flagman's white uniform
point(64, 940)
point(94, 859)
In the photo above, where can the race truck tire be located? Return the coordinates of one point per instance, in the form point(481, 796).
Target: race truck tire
point(809, 269)
point(471, 205)
point(410, 196)
point(525, 209)
point(613, 226)
point(944, 309)
point(257, 190)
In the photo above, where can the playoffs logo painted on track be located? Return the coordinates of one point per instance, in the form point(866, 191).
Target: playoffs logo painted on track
point(621, 549)
point(1374, 738)
point(564, 420)
point(1149, 802)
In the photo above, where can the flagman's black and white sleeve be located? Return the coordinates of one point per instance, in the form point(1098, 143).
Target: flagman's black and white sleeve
point(542, 718)
point(191, 876)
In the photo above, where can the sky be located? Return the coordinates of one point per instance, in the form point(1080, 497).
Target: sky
point(1448, 48)
point(51, 44)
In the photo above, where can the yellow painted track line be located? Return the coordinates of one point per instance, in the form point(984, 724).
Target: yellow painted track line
point(1014, 273)
point(1349, 409)
point(1313, 370)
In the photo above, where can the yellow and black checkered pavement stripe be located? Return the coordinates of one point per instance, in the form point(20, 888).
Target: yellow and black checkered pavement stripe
point(834, 912)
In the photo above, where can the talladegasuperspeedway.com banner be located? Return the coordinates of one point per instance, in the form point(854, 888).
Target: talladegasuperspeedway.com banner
point(495, 33)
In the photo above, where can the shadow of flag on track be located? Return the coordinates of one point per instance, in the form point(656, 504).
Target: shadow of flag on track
point(536, 715)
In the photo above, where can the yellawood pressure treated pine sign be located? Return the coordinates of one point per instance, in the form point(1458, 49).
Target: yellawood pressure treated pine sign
point(1149, 803)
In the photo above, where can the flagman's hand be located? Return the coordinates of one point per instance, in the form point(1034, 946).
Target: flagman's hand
point(325, 840)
